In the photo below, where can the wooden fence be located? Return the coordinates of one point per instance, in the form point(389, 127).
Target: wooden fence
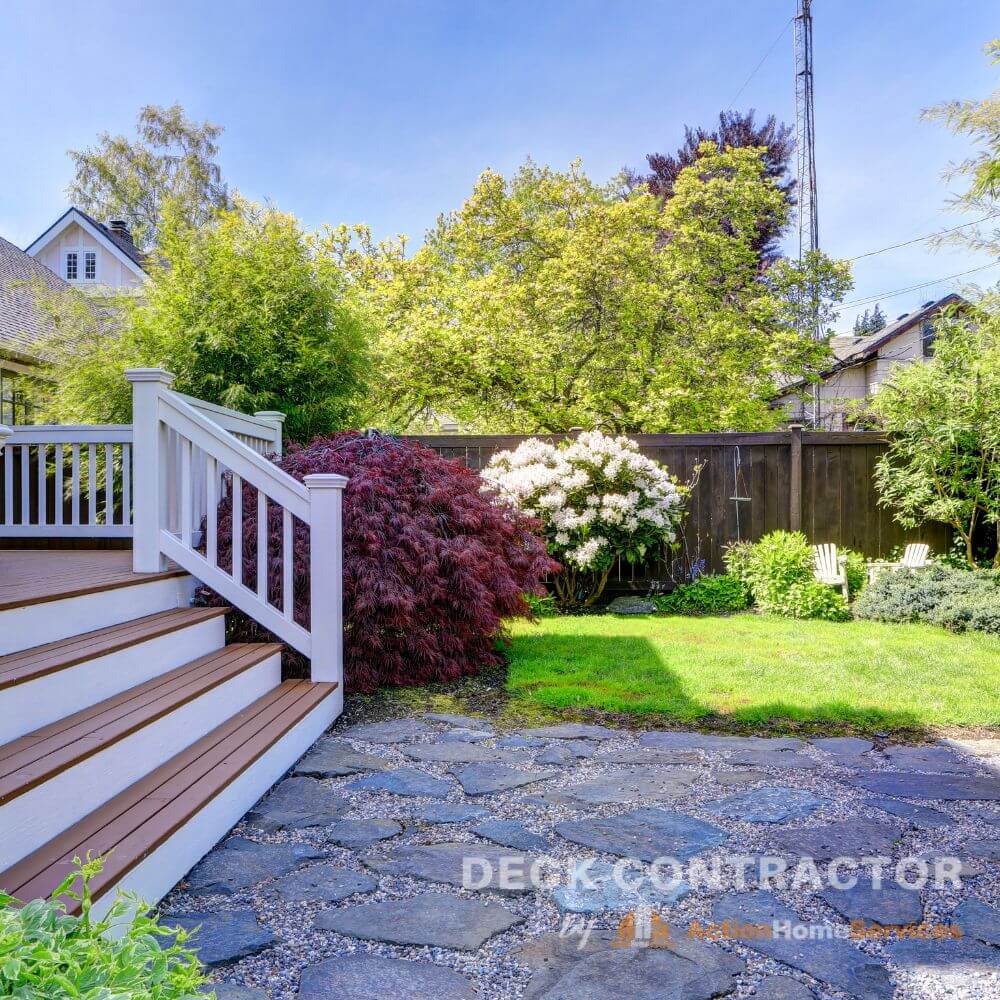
point(749, 484)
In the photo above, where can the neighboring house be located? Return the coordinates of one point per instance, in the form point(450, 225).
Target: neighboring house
point(90, 255)
point(862, 364)
point(21, 327)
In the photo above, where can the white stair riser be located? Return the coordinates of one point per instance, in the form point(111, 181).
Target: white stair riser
point(36, 703)
point(34, 818)
point(154, 877)
point(36, 624)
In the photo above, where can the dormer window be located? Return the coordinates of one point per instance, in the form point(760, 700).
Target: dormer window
point(72, 265)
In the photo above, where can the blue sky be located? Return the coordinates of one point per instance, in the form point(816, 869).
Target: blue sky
point(385, 112)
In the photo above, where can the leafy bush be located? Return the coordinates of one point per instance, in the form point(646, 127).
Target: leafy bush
point(432, 566)
point(958, 599)
point(779, 570)
point(809, 599)
point(737, 560)
point(708, 595)
point(857, 572)
point(541, 607)
point(47, 953)
point(598, 499)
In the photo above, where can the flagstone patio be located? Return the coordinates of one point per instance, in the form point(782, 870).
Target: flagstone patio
point(347, 880)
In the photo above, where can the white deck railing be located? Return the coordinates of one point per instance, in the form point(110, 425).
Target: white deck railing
point(161, 480)
point(66, 482)
point(183, 460)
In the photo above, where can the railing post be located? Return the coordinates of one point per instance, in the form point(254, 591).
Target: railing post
point(148, 467)
point(326, 576)
point(276, 419)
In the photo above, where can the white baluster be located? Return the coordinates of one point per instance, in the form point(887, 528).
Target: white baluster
point(287, 565)
point(237, 528)
point(262, 545)
point(42, 459)
point(211, 510)
point(75, 484)
point(60, 461)
point(8, 474)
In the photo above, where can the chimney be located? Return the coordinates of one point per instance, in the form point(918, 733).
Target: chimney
point(120, 229)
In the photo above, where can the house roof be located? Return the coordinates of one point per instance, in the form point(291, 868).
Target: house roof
point(851, 351)
point(21, 325)
point(124, 249)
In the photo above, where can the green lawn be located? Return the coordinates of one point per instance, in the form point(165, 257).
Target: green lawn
point(751, 669)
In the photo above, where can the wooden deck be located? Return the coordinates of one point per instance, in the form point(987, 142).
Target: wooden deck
point(34, 576)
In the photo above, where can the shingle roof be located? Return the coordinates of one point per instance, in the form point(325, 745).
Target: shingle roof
point(127, 247)
point(21, 325)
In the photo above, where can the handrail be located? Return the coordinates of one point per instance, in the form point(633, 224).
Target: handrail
point(261, 432)
point(185, 461)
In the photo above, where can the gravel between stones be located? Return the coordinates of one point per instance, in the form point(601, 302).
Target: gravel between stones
point(848, 782)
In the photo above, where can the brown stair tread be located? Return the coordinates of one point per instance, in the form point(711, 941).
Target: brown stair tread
point(26, 665)
point(37, 756)
point(138, 820)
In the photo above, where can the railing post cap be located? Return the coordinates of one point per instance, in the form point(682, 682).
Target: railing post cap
point(795, 427)
point(5, 431)
point(150, 375)
point(325, 481)
point(275, 415)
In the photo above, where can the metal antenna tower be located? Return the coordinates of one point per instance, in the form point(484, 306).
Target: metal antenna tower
point(805, 149)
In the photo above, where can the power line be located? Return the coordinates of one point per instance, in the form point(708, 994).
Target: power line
point(763, 60)
point(869, 299)
point(921, 239)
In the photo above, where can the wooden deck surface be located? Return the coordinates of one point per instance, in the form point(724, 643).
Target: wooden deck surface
point(33, 576)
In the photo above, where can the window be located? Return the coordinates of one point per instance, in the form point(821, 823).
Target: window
point(75, 269)
point(927, 338)
point(14, 406)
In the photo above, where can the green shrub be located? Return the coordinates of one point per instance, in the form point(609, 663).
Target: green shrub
point(541, 607)
point(773, 564)
point(857, 572)
point(737, 560)
point(708, 595)
point(48, 954)
point(810, 599)
point(957, 599)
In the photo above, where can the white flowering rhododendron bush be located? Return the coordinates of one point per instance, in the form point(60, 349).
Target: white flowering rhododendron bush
point(598, 500)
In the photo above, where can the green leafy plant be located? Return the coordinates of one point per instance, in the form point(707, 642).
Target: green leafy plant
point(708, 595)
point(47, 953)
point(541, 607)
point(779, 571)
point(737, 560)
point(857, 572)
point(957, 599)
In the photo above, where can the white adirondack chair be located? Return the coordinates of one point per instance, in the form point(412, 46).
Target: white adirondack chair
point(915, 556)
point(831, 568)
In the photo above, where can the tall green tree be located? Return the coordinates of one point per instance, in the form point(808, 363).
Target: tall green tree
point(247, 311)
point(170, 159)
point(943, 420)
point(979, 121)
point(869, 322)
point(548, 301)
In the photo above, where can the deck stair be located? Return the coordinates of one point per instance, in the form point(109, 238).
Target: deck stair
point(144, 735)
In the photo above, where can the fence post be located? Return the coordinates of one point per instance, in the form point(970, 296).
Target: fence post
point(326, 577)
point(795, 479)
point(148, 467)
point(277, 419)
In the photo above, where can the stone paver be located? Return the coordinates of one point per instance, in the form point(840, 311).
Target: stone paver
point(404, 781)
point(482, 779)
point(328, 883)
point(647, 757)
point(465, 736)
point(947, 787)
point(889, 905)
point(633, 786)
point(223, 937)
point(593, 888)
point(645, 834)
point(433, 919)
point(572, 731)
point(782, 988)
point(450, 753)
point(360, 833)
point(459, 721)
point(239, 864)
point(502, 870)
point(394, 731)
point(843, 746)
point(919, 817)
point(848, 838)
point(832, 960)
point(362, 977)
point(979, 921)
point(235, 991)
point(298, 803)
point(449, 812)
point(769, 804)
point(336, 759)
point(700, 741)
point(510, 833)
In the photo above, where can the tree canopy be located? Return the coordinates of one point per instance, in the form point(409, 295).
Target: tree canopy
point(548, 302)
point(737, 130)
point(170, 159)
point(246, 311)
